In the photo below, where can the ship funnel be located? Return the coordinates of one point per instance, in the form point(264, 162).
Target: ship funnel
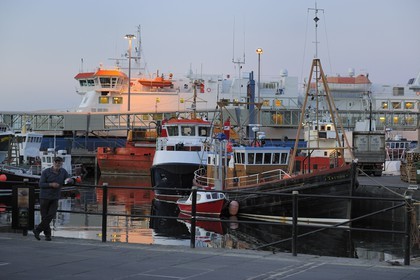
point(351, 72)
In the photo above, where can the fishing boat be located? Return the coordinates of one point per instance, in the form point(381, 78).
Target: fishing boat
point(264, 178)
point(135, 158)
point(207, 203)
point(180, 150)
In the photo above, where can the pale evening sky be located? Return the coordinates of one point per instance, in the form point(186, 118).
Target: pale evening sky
point(43, 41)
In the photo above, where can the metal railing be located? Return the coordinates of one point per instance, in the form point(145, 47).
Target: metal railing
point(406, 203)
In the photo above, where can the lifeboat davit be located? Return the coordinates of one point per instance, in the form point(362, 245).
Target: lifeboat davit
point(156, 82)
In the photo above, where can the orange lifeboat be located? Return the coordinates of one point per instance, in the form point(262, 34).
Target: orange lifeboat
point(159, 82)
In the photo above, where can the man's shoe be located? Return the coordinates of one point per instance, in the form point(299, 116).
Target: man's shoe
point(36, 234)
point(48, 238)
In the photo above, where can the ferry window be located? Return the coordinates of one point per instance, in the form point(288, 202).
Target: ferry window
point(277, 103)
point(187, 131)
point(322, 127)
point(198, 196)
point(208, 195)
point(398, 91)
point(114, 82)
point(105, 82)
point(396, 105)
point(91, 83)
point(276, 158)
point(284, 158)
point(117, 100)
point(266, 103)
point(103, 100)
point(259, 158)
point(251, 157)
point(409, 105)
point(214, 196)
point(384, 105)
point(83, 83)
point(242, 157)
point(267, 158)
point(172, 131)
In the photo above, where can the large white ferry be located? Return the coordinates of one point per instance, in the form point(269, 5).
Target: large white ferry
point(110, 90)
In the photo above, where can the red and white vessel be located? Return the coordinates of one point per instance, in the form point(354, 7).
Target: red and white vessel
point(207, 203)
point(181, 150)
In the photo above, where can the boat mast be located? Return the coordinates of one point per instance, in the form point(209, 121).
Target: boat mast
point(317, 95)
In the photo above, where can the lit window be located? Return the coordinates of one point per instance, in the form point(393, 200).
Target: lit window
point(277, 103)
point(103, 100)
point(382, 119)
point(395, 120)
point(117, 100)
point(384, 105)
point(409, 105)
point(266, 103)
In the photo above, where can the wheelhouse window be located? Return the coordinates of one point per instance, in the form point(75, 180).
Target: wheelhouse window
point(251, 157)
point(276, 158)
point(172, 130)
point(188, 130)
point(267, 158)
point(259, 158)
point(105, 82)
point(284, 157)
point(204, 131)
point(114, 82)
point(117, 100)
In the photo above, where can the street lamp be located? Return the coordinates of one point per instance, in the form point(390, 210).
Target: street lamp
point(259, 52)
point(130, 37)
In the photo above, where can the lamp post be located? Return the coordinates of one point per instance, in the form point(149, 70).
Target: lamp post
point(259, 52)
point(130, 38)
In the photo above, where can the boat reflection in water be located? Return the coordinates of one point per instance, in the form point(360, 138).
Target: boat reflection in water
point(168, 227)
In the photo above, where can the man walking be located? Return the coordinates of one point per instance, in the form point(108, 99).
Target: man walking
point(50, 183)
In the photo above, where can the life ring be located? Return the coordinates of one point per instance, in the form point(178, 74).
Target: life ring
point(208, 89)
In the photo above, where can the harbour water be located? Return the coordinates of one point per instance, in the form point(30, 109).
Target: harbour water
point(169, 228)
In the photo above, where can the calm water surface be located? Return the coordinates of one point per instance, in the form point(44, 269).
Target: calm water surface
point(169, 228)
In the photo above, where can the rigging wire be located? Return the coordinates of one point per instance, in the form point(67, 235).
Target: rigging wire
point(304, 47)
point(326, 39)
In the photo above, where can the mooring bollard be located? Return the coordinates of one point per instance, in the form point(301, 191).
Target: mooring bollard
point(193, 213)
point(408, 211)
point(295, 220)
point(104, 210)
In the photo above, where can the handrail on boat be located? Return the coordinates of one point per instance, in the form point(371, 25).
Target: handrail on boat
point(201, 179)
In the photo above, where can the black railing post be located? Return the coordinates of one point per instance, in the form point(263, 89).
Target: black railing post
point(408, 211)
point(104, 210)
point(295, 222)
point(193, 213)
